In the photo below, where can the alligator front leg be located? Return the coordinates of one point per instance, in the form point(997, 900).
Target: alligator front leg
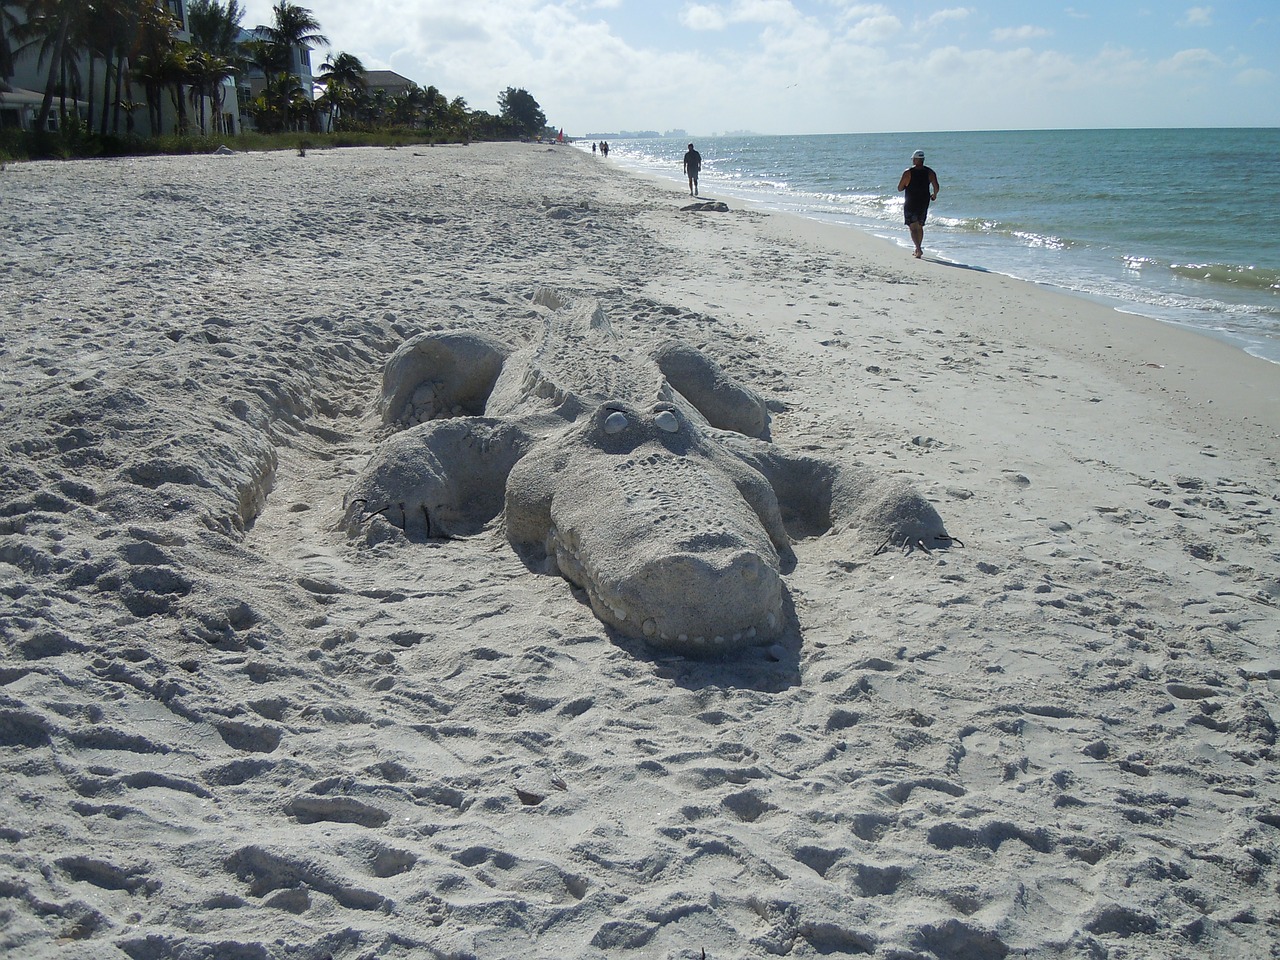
point(726, 403)
point(447, 373)
point(438, 480)
point(816, 495)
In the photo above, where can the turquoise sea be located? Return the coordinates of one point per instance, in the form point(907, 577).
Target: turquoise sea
point(1180, 225)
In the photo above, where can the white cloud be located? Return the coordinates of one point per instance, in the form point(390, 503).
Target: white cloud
point(854, 11)
point(869, 22)
point(1190, 60)
point(716, 17)
point(875, 29)
point(1197, 17)
point(765, 11)
point(945, 16)
point(1018, 34)
point(1254, 77)
point(701, 17)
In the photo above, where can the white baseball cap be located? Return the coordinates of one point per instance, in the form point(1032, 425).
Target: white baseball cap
point(918, 153)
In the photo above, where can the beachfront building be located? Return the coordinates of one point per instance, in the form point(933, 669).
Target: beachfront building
point(388, 81)
point(52, 74)
point(382, 90)
point(20, 108)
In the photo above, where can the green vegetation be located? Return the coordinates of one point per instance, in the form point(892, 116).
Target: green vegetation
point(521, 112)
point(70, 144)
point(123, 56)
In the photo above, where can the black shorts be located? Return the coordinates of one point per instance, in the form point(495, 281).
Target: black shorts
point(916, 214)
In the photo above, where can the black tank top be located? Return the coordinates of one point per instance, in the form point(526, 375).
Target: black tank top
point(917, 191)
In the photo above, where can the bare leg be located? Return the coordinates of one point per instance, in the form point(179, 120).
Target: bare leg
point(917, 237)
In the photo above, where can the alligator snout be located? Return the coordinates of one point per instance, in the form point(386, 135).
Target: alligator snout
point(665, 546)
point(707, 602)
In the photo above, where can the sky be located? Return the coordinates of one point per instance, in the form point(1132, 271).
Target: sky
point(827, 66)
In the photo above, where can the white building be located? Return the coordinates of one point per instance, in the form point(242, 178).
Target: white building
point(22, 94)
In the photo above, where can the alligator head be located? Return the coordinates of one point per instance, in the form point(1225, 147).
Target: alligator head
point(671, 540)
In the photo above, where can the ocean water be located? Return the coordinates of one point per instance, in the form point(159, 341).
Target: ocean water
point(1179, 225)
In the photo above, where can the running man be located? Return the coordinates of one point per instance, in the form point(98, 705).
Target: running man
point(921, 185)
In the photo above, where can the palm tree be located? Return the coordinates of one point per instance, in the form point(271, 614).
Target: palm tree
point(459, 117)
point(295, 27)
point(99, 37)
point(105, 28)
point(158, 62)
point(264, 55)
point(8, 23)
point(343, 79)
point(122, 35)
point(50, 24)
point(215, 35)
point(345, 69)
point(407, 107)
point(280, 104)
point(215, 28)
point(377, 106)
point(207, 73)
point(435, 108)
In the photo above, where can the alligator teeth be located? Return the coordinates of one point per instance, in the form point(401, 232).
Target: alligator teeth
point(563, 544)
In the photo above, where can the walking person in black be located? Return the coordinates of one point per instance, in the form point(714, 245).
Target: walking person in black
point(920, 184)
point(692, 166)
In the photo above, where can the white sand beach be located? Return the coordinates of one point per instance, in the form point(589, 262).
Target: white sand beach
point(229, 728)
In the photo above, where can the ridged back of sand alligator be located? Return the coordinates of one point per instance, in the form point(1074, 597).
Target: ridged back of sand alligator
point(578, 363)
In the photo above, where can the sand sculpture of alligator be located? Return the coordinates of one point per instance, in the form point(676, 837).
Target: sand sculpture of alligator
point(641, 478)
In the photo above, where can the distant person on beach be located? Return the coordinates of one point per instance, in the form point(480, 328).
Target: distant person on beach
point(921, 186)
point(593, 146)
point(692, 166)
point(604, 148)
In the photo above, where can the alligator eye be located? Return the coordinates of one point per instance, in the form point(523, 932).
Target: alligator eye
point(667, 421)
point(616, 422)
